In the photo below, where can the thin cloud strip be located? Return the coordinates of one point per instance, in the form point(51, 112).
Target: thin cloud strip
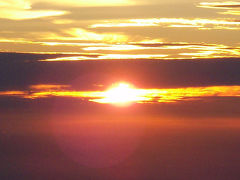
point(230, 7)
point(197, 50)
point(172, 23)
point(135, 51)
point(108, 57)
point(220, 5)
point(142, 95)
point(231, 12)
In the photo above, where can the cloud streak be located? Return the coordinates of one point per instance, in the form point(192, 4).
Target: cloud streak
point(230, 7)
point(220, 5)
point(172, 23)
point(140, 95)
point(137, 50)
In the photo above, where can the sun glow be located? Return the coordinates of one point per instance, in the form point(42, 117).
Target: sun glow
point(121, 94)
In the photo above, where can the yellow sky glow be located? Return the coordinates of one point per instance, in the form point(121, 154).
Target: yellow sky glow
point(90, 3)
point(21, 9)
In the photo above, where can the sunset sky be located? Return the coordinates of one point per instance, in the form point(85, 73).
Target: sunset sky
point(151, 29)
point(119, 90)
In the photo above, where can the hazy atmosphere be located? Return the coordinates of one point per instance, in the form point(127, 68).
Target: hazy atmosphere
point(119, 90)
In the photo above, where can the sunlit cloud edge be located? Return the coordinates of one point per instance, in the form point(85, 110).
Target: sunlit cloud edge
point(138, 95)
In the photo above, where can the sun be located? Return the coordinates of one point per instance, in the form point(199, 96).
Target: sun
point(120, 94)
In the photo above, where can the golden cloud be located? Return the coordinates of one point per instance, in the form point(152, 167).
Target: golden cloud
point(172, 23)
point(220, 5)
point(230, 7)
point(84, 35)
point(137, 95)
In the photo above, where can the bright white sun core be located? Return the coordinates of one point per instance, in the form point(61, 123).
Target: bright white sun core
point(121, 94)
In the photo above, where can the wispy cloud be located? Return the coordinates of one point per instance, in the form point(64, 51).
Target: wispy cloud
point(109, 57)
point(220, 5)
point(85, 35)
point(172, 23)
point(137, 50)
point(99, 50)
point(231, 12)
point(48, 87)
point(230, 7)
point(191, 50)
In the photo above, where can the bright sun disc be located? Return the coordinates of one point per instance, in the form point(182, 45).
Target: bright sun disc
point(121, 94)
